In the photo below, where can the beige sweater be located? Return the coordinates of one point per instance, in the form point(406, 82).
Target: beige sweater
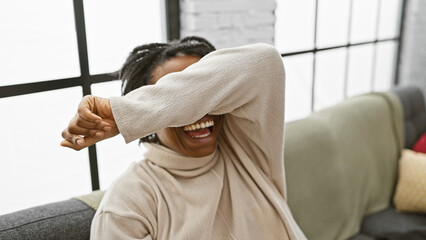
point(237, 192)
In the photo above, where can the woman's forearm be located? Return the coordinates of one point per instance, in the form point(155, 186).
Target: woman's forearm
point(219, 83)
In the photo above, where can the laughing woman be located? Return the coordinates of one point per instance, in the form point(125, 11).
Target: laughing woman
point(212, 123)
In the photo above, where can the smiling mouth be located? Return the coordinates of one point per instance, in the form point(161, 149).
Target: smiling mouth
point(199, 130)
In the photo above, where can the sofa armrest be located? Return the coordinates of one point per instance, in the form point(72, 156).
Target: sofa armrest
point(413, 104)
point(70, 219)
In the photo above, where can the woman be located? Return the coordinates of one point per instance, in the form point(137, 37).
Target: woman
point(213, 129)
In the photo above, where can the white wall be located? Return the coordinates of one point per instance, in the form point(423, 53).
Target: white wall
point(413, 58)
point(229, 23)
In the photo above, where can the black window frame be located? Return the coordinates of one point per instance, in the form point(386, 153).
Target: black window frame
point(85, 80)
point(398, 40)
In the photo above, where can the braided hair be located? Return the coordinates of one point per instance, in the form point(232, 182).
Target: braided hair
point(137, 70)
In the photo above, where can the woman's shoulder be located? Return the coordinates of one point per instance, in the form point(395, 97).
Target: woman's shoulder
point(130, 191)
point(128, 209)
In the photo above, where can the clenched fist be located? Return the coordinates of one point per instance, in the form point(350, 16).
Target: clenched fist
point(93, 122)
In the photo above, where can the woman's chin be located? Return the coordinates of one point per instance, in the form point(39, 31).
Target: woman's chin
point(198, 155)
point(200, 151)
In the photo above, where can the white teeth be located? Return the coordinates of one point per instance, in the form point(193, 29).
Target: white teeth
point(201, 136)
point(196, 126)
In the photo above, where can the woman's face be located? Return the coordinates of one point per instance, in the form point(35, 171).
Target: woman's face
point(194, 140)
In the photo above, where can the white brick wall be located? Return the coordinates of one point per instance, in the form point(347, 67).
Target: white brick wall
point(229, 23)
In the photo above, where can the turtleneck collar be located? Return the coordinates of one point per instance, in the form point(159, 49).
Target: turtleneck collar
point(178, 163)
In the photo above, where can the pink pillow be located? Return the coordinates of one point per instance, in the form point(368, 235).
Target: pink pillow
point(420, 145)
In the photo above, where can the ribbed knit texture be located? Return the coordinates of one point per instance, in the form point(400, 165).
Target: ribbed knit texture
point(237, 192)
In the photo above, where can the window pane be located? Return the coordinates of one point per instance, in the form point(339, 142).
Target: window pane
point(364, 20)
point(298, 92)
point(333, 20)
point(294, 26)
point(114, 155)
point(329, 78)
point(34, 169)
point(360, 69)
point(38, 41)
point(390, 11)
point(385, 66)
point(114, 28)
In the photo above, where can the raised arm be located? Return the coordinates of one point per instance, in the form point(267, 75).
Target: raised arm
point(219, 83)
point(245, 83)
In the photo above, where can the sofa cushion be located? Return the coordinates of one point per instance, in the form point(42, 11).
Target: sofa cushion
point(389, 220)
point(346, 166)
point(69, 219)
point(92, 199)
point(361, 236)
point(412, 235)
point(410, 194)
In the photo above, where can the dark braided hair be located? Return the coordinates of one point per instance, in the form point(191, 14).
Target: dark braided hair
point(137, 70)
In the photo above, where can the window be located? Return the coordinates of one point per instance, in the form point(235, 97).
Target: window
point(294, 28)
point(330, 70)
point(33, 168)
point(333, 49)
point(53, 53)
point(37, 44)
point(298, 93)
point(111, 35)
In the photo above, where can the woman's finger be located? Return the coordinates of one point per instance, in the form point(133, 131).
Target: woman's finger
point(72, 138)
point(82, 143)
point(80, 122)
point(71, 145)
point(76, 130)
point(86, 109)
point(87, 115)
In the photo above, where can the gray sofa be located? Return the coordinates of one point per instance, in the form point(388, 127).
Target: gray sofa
point(389, 220)
point(315, 185)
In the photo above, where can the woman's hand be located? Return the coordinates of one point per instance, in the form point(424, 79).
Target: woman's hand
point(93, 122)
